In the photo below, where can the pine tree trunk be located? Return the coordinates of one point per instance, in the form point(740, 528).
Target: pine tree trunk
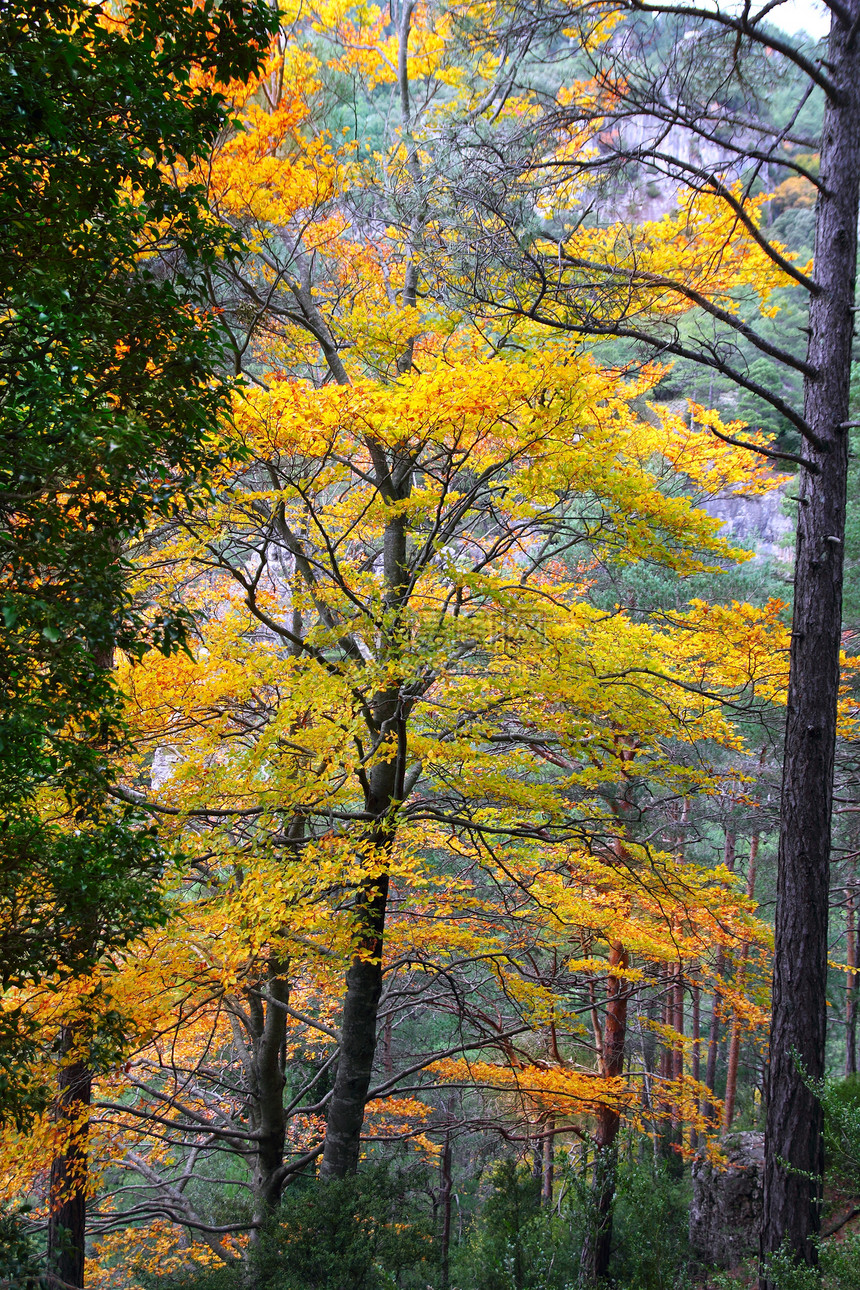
point(67, 1205)
point(598, 1242)
point(792, 1195)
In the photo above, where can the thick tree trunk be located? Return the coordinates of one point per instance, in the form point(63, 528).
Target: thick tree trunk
point(358, 1037)
point(67, 1205)
point(793, 1151)
point(598, 1242)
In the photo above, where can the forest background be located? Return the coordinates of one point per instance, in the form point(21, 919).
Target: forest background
point(391, 761)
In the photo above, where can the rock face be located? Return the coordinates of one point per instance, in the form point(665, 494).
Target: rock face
point(727, 1203)
point(758, 522)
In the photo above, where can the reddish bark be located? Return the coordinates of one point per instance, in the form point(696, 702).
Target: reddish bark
point(598, 1243)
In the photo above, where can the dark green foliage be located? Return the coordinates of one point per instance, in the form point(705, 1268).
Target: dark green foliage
point(839, 1268)
point(841, 1101)
point(112, 395)
point(109, 387)
point(519, 1244)
point(19, 1265)
point(650, 1228)
point(516, 1244)
point(348, 1234)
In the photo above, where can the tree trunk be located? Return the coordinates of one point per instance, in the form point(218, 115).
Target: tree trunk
point(266, 1085)
point(445, 1193)
point(548, 1162)
point(851, 985)
point(696, 1053)
point(678, 1050)
point(67, 1206)
point(792, 1194)
point(717, 1006)
point(735, 1044)
point(598, 1242)
point(358, 1036)
point(383, 793)
point(67, 1188)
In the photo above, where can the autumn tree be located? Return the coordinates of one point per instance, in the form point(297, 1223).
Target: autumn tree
point(264, 743)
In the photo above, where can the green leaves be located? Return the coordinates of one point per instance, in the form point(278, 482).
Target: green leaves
point(112, 397)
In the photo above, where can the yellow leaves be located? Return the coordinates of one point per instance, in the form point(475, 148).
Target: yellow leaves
point(568, 1092)
point(370, 50)
point(708, 461)
point(737, 648)
point(703, 253)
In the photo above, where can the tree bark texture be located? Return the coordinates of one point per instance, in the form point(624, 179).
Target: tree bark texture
point(67, 1205)
point(265, 1076)
point(358, 1037)
point(793, 1156)
point(598, 1242)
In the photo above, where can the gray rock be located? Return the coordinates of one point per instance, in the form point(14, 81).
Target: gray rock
point(758, 522)
point(727, 1203)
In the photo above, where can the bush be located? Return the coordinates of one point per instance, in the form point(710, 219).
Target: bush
point(348, 1234)
point(18, 1264)
point(516, 1244)
point(650, 1249)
